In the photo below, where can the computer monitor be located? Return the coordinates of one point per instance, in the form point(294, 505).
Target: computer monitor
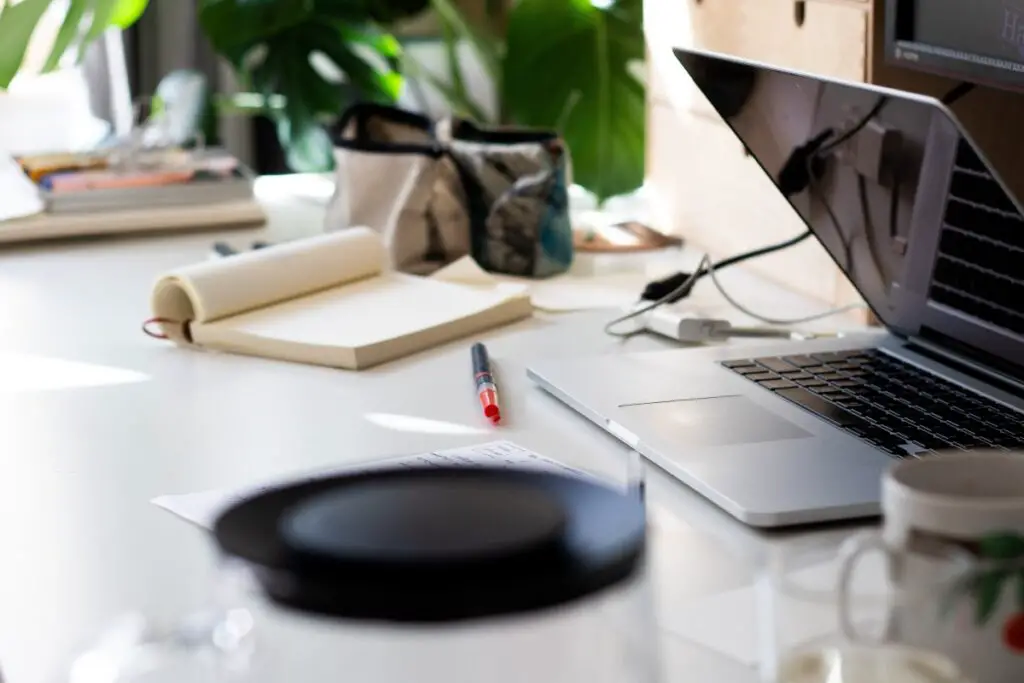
point(980, 41)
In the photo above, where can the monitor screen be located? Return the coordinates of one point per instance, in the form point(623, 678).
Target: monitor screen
point(992, 28)
point(979, 41)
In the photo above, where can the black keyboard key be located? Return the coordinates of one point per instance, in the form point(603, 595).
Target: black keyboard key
point(747, 369)
point(835, 356)
point(826, 389)
point(811, 382)
point(762, 376)
point(775, 364)
point(830, 376)
point(818, 369)
point(775, 384)
point(846, 383)
point(1008, 440)
point(842, 366)
point(819, 406)
point(802, 361)
point(797, 374)
point(737, 363)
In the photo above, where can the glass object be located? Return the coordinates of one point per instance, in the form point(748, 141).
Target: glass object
point(961, 598)
point(829, 617)
point(445, 574)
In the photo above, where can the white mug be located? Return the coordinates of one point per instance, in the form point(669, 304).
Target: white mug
point(953, 535)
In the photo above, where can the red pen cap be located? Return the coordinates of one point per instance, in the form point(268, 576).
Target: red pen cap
point(489, 402)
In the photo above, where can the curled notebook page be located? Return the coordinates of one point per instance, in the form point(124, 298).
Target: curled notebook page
point(212, 290)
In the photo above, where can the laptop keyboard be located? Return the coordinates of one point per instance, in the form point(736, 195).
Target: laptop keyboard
point(887, 402)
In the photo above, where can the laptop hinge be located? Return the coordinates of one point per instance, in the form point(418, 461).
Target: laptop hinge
point(966, 365)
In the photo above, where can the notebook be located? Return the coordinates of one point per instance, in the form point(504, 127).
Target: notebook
point(327, 300)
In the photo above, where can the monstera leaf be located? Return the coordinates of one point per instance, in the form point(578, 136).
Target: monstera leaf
point(281, 49)
point(16, 25)
point(84, 22)
point(570, 64)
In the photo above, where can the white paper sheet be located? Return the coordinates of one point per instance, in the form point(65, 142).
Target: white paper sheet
point(204, 507)
point(18, 195)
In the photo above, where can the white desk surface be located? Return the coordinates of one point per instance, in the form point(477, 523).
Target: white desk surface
point(80, 542)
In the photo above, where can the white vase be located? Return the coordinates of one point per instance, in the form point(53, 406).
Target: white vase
point(49, 113)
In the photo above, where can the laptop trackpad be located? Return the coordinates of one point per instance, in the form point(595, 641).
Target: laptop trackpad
point(714, 421)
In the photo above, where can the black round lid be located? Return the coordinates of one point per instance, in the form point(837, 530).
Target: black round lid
point(441, 544)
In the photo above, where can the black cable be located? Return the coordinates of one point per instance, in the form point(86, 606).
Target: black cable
point(660, 289)
point(857, 127)
point(956, 93)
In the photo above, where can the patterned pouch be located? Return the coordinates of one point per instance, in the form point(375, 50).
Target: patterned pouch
point(440, 190)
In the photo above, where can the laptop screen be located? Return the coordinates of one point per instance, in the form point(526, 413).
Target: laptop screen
point(896, 193)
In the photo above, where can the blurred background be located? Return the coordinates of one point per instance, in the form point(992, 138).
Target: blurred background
point(273, 76)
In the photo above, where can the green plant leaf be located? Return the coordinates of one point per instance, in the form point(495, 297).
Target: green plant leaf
point(1002, 546)
point(384, 44)
point(389, 11)
point(1020, 590)
point(102, 13)
point(987, 588)
point(380, 85)
point(379, 11)
point(69, 30)
point(229, 24)
point(568, 63)
point(342, 10)
point(127, 12)
point(17, 22)
point(307, 145)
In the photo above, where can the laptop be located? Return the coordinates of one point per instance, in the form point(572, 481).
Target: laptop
point(793, 432)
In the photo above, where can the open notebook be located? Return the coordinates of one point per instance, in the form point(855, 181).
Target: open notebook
point(326, 300)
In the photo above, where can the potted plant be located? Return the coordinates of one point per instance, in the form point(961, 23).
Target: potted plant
point(307, 60)
point(571, 65)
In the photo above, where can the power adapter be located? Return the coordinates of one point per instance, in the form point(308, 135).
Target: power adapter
point(683, 327)
point(687, 328)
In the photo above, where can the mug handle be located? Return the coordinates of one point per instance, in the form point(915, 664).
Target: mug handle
point(850, 556)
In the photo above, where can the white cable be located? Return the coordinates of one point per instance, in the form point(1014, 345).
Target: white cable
point(705, 262)
point(775, 321)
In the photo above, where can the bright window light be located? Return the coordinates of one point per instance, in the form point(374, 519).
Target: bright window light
point(22, 373)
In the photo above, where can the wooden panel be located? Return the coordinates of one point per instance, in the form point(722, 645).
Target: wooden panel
point(705, 188)
point(828, 38)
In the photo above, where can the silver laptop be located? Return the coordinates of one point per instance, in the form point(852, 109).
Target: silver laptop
point(796, 432)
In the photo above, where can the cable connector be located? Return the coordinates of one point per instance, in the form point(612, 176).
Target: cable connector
point(690, 329)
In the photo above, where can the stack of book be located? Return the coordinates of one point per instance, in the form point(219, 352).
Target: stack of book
point(99, 193)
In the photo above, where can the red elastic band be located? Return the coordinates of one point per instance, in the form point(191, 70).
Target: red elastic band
point(156, 334)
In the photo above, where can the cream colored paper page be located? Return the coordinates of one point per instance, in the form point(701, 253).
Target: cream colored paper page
point(217, 289)
point(332, 326)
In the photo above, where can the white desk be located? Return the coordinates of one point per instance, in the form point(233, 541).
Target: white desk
point(79, 541)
